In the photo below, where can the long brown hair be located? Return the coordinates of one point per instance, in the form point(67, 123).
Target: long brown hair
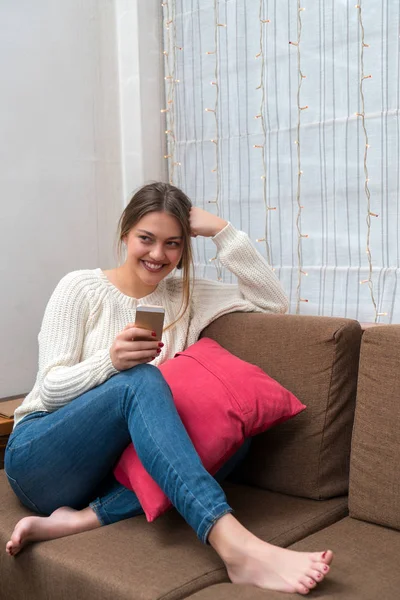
point(163, 197)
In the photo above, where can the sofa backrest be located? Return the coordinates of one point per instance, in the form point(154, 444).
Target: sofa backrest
point(316, 358)
point(374, 493)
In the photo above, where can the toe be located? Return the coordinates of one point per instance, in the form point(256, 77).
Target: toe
point(302, 589)
point(316, 575)
point(321, 568)
point(328, 558)
point(16, 540)
point(307, 582)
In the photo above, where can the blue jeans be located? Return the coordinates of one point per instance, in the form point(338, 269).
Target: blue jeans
point(66, 458)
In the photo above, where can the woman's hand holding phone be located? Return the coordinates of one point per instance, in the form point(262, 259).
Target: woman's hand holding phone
point(133, 346)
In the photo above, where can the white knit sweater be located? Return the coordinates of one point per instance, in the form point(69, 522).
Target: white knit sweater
point(86, 312)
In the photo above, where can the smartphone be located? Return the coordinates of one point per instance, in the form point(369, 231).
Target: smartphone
point(151, 318)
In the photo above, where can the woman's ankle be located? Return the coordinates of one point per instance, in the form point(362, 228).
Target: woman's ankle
point(88, 519)
point(227, 536)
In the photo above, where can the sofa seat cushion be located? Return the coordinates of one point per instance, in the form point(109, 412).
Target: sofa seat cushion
point(365, 566)
point(279, 518)
point(136, 560)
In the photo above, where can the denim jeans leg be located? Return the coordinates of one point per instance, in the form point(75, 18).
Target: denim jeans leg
point(115, 503)
point(63, 458)
point(167, 453)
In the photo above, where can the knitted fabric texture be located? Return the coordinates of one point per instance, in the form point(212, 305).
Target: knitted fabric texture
point(86, 312)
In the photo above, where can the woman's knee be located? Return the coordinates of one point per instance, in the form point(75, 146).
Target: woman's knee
point(145, 371)
point(143, 377)
point(143, 385)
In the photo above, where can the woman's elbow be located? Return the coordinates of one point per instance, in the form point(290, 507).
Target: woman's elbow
point(284, 306)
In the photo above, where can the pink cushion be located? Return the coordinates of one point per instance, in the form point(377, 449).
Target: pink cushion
point(221, 400)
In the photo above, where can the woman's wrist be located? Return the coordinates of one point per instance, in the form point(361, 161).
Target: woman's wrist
point(219, 226)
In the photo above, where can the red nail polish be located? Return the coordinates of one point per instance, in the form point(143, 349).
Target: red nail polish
point(324, 554)
point(325, 568)
point(160, 345)
point(158, 350)
point(153, 333)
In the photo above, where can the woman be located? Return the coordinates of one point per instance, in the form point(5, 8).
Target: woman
point(96, 391)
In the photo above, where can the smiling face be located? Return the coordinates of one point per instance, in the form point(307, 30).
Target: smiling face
point(154, 248)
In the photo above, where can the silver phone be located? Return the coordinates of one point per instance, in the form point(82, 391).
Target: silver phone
point(151, 318)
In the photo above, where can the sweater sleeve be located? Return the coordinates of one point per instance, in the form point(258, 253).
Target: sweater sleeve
point(257, 289)
point(62, 376)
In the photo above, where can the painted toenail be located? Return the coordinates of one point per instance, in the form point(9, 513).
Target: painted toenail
point(325, 568)
point(324, 554)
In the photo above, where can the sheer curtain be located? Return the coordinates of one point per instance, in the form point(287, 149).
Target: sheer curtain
point(321, 273)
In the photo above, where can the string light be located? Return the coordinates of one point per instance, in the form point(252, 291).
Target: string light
point(170, 70)
point(361, 114)
point(300, 207)
point(260, 116)
point(214, 111)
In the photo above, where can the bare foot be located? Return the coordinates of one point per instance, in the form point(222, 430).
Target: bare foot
point(274, 568)
point(249, 560)
point(63, 521)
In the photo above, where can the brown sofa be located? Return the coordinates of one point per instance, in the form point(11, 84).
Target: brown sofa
point(293, 488)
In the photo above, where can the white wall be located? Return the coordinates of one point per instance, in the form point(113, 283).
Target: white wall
point(141, 69)
point(64, 174)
